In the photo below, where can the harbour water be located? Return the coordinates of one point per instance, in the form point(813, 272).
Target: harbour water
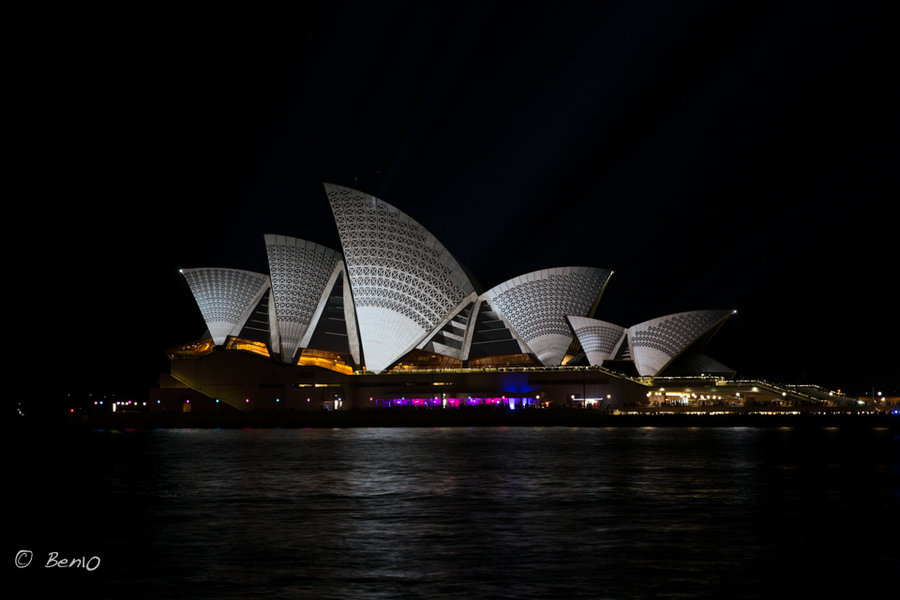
point(459, 512)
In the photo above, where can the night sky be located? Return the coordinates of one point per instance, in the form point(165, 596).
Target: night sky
point(713, 155)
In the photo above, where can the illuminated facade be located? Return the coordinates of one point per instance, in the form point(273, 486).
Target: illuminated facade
point(226, 298)
point(303, 275)
point(657, 345)
point(536, 306)
point(599, 340)
point(396, 301)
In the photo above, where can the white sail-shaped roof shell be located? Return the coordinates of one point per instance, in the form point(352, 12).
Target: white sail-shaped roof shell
point(302, 274)
point(599, 339)
point(657, 342)
point(226, 297)
point(535, 306)
point(405, 283)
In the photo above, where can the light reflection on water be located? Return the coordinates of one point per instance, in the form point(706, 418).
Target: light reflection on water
point(482, 512)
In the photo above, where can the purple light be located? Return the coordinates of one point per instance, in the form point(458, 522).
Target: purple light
point(512, 403)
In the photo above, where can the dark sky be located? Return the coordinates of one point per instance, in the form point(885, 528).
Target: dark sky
point(714, 155)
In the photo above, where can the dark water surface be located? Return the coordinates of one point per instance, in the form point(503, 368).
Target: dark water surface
point(622, 512)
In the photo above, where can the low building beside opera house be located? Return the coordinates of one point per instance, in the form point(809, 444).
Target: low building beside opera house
point(395, 321)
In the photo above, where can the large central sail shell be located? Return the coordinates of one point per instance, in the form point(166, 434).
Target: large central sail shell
point(405, 283)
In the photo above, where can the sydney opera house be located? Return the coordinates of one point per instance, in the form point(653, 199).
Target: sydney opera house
point(394, 320)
